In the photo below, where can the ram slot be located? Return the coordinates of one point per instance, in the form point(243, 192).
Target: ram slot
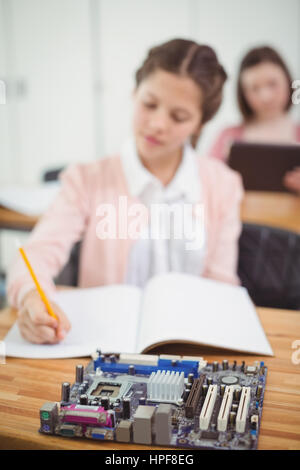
point(243, 409)
point(225, 408)
point(194, 397)
point(141, 359)
point(208, 407)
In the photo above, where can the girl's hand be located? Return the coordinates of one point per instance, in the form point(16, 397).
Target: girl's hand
point(35, 323)
point(292, 179)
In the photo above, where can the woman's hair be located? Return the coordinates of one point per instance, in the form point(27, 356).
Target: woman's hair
point(254, 57)
point(189, 59)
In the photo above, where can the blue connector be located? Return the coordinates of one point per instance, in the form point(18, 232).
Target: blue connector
point(188, 367)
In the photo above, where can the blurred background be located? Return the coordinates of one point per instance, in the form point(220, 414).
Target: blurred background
point(69, 66)
point(68, 70)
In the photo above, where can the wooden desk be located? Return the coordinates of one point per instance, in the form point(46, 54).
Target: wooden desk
point(26, 384)
point(11, 220)
point(276, 209)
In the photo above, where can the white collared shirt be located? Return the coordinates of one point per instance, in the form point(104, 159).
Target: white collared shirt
point(168, 251)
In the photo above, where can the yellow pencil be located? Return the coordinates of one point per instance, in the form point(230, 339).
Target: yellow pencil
point(40, 290)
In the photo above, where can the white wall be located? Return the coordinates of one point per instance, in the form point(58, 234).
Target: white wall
point(232, 27)
point(70, 64)
point(129, 28)
point(5, 166)
point(49, 72)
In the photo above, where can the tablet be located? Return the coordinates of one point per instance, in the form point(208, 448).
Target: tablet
point(263, 166)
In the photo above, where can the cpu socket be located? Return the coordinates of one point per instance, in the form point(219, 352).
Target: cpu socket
point(108, 388)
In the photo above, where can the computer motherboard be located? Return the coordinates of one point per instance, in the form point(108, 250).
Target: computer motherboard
point(174, 401)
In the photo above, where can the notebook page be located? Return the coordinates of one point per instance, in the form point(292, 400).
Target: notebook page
point(184, 307)
point(101, 317)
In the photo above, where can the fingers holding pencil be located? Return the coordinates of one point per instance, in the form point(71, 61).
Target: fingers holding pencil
point(40, 321)
point(36, 325)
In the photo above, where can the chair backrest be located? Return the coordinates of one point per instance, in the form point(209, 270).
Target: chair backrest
point(269, 266)
point(69, 274)
point(52, 175)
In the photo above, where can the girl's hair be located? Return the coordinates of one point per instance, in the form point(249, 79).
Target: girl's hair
point(189, 59)
point(254, 57)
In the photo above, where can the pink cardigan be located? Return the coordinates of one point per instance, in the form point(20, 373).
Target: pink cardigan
point(220, 148)
point(73, 216)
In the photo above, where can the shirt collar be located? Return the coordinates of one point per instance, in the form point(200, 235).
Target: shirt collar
point(186, 180)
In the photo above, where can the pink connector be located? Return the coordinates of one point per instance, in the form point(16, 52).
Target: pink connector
point(83, 414)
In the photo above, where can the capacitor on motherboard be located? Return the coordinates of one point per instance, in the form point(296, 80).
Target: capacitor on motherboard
point(209, 380)
point(142, 401)
point(126, 408)
point(190, 378)
point(111, 414)
point(243, 366)
point(232, 417)
point(234, 365)
point(234, 407)
point(204, 389)
point(118, 413)
point(237, 393)
point(262, 368)
point(222, 389)
point(215, 366)
point(131, 370)
point(65, 391)
point(105, 402)
point(254, 421)
point(186, 394)
point(83, 399)
point(85, 383)
point(112, 358)
point(225, 364)
point(259, 391)
point(79, 374)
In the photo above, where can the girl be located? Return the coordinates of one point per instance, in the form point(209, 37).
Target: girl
point(178, 89)
point(264, 95)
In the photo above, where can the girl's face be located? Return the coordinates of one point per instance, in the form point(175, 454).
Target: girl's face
point(266, 90)
point(167, 110)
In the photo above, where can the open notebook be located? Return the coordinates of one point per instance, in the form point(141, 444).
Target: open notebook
point(173, 307)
